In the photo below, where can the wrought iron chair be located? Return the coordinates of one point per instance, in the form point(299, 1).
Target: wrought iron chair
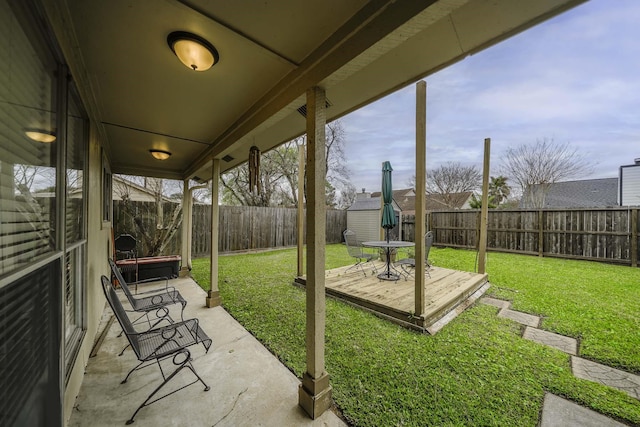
point(156, 345)
point(409, 264)
point(355, 250)
point(156, 301)
point(125, 245)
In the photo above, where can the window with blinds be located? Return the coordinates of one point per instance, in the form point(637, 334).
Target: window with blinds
point(27, 145)
point(42, 219)
point(28, 350)
point(75, 161)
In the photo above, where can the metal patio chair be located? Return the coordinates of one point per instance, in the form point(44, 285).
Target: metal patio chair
point(409, 264)
point(156, 301)
point(356, 251)
point(156, 345)
point(125, 245)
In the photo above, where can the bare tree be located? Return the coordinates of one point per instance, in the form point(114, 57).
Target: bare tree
point(287, 160)
point(337, 172)
point(154, 227)
point(347, 196)
point(452, 180)
point(279, 173)
point(535, 167)
point(411, 182)
point(236, 183)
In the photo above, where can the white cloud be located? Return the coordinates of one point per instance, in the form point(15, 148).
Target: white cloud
point(574, 78)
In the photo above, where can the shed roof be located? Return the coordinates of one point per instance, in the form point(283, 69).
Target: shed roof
point(370, 204)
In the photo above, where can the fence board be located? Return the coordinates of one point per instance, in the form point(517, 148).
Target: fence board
point(241, 227)
point(592, 234)
point(608, 235)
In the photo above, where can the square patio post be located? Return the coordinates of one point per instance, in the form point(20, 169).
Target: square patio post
point(314, 394)
point(186, 229)
point(213, 296)
point(421, 191)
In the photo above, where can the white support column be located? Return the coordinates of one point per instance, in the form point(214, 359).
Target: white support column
point(300, 222)
point(314, 394)
point(213, 297)
point(185, 266)
point(421, 175)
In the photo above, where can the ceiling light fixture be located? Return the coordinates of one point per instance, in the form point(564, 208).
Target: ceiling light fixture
point(40, 135)
point(160, 154)
point(193, 51)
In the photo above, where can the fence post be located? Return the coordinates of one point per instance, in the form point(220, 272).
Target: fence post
point(484, 210)
point(634, 237)
point(540, 234)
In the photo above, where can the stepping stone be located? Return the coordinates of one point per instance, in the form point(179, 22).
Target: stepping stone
point(559, 412)
point(495, 302)
point(588, 370)
point(520, 317)
point(562, 343)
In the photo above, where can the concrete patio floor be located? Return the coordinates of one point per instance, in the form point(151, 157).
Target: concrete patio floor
point(249, 386)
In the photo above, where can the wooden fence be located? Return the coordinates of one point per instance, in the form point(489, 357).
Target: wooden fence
point(609, 235)
point(241, 228)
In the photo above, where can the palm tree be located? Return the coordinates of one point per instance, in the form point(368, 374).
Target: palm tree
point(476, 202)
point(499, 189)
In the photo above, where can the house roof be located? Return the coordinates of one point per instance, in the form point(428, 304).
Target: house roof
point(123, 186)
point(405, 198)
point(139, 96)
point(370, 204)
point(587, 193)
point(436, 202)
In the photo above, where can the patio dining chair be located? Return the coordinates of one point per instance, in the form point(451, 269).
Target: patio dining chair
point(355, 250)
point(408, 265)
point(157, 345)
point(125, 245)
point(155, 301)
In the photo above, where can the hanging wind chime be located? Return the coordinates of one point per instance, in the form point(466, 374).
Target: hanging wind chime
point(254, 170)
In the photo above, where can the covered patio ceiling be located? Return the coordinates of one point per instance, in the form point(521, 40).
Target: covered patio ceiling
point(271, 52)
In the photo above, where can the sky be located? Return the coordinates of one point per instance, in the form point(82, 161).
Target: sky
point(574, 79)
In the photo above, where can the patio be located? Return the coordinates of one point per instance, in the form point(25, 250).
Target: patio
point(447, 294)
point(249, 386)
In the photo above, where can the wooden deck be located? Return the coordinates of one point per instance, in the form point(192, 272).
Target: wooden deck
point(447, 293)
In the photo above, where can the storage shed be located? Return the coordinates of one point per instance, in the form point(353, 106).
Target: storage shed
point(363, 217)
point(629, 184)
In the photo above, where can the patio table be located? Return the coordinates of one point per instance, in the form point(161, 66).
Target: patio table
point(387, 246)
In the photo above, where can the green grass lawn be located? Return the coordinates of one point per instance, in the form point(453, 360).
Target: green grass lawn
point(475, 371)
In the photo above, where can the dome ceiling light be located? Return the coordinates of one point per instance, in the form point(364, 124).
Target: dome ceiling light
point(160, 154)
point(40, 135)
point(193, 51)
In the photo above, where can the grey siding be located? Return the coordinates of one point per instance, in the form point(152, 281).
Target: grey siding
point(366, 224)
point(630, 185)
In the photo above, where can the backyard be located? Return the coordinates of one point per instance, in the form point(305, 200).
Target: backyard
point(477, 370)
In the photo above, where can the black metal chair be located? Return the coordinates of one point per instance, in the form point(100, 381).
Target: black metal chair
point(125, 245)
point(156, 345)
point(409, 264)
point(156, 301)
point(355, 250)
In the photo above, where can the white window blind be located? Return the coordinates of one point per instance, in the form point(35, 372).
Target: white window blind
point(27, 167)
